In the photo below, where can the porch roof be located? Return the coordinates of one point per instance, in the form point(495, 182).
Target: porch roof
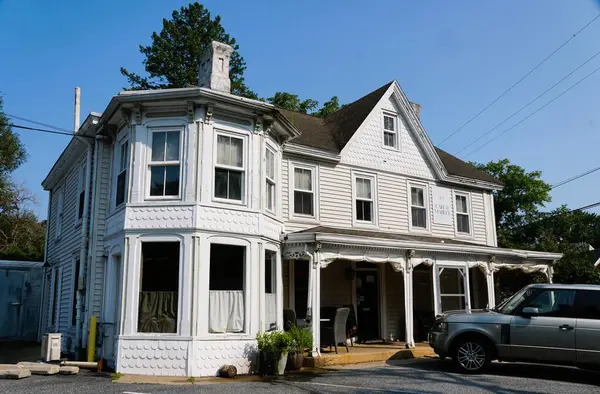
point(378, 239)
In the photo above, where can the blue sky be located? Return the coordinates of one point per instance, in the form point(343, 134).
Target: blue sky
point(451, 57)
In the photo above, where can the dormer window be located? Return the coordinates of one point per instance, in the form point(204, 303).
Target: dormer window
point(390, 131)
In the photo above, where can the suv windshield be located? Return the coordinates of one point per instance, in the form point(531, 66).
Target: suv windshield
point(507, 306)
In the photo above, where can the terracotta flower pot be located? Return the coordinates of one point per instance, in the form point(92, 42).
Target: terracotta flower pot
point(294, 361)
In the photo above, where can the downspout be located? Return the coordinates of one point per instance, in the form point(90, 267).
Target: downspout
point(84, 245)
point(45, 285)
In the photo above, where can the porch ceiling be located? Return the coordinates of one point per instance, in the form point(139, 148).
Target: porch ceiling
point(376, 239)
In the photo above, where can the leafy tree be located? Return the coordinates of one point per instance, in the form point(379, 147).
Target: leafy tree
point(293, 103)
point(12, 152)
point(171, 61)
point(328, 107)
point(518, 203)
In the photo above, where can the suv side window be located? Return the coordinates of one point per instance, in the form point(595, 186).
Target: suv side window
point(552, 302)
point(588, 304)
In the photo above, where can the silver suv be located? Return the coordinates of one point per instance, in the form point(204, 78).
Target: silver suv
point(556, 324)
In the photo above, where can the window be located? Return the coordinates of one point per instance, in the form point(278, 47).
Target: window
point(463, 222)
point(418, 210)
point(270, 290)
point(270, 180)
point(303, 192)
point(159, 287)
point(389, 131)
point(552, 302)
point(81, 189)
point(59, 213)
point(453, 294)
point(164, 164)
point(122, 166)
point(229, 168)
point(226, 306)
point(75, 281)
point(364, 199)
point(588, 304)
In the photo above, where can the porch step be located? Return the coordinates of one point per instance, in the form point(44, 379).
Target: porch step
point(366, 354)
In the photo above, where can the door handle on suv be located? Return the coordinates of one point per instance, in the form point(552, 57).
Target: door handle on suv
point(565, 327)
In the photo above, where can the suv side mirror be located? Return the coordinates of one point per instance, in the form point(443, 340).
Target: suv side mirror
point(530, 311)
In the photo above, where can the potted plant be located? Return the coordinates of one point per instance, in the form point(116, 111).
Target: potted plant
point(301, 342)
point(273, 350)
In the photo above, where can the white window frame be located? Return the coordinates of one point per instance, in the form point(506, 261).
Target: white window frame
point(270, 183)
point(150, 163)
point(137, 285)
point(385, 131)
point(374, 216)
point(248, 271)
point(275, 274)
point(59, 212)
point(244, 169)
point(469, 213)
point(427, 203)
point(81, 187)
point(315, 186)
point(122, 166)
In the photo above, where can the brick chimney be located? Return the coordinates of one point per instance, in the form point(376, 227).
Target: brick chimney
point(213, 71)
point(417, 108)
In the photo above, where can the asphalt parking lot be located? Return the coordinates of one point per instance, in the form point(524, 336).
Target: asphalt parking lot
point(407, 376)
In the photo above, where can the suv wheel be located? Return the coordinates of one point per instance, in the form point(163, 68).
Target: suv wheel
point(471, 355)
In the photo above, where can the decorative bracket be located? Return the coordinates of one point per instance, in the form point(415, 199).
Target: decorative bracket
point(126, 114)
point(258, 127)
point(410, 253)
point(209, 113)
point(137, 112)
point(191, 107)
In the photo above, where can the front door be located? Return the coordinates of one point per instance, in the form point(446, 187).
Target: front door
point(367, 304)
point(549, 336)
point(11, 302)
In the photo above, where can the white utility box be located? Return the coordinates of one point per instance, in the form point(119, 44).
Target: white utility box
point(51, 346)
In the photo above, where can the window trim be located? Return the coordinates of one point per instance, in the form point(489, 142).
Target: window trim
point(244, 169)
point(270, 181)
point(374, 214)
point(120, 168)
point(81, 188)
point(314, 168)
point(248, 272)
point(137, 286)
point(150, 163)
point(427, 201)
point(395, 117)
point(469, 213)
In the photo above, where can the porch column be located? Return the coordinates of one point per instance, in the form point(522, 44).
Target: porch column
point(279, 290)
point(314, 300)
point(550, 273)
point(489, 278)
point(408, 303)
point(437, 308)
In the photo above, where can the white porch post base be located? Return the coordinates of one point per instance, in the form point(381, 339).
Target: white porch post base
point(408, 305)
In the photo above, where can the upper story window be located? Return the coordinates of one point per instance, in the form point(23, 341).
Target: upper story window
point(463, 214)
point(270, 180)
point(418, 209)
point(59, 212)
point(229, 168)
point(304, 194)
point(390, 131)
point(81, 192)
point(364, 199)
point(165, 164)
point(122, 166)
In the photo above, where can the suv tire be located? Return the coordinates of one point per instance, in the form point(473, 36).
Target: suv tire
point(471, 355)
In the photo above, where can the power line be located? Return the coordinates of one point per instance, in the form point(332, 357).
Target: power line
point(573, 178)
point(39, 123)
point(519, 81)
point(36, 129)
point(535, 112)
point(585, 208)
point(529, 103)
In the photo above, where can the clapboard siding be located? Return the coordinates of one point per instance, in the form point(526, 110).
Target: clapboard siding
point(479, 219)
point(335, 195)
point(394, 299)
point(392, 201)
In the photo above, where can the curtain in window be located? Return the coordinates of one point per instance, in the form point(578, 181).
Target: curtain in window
point(226, 311)
point(229, 151)
point(270, 311)
point(363, 188)
point(158, 311)
point(172, 146)
point(302, 179)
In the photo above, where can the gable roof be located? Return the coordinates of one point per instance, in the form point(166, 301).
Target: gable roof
point(333, 132)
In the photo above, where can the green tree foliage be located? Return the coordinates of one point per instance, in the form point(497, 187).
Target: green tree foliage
point(171, 61)
point(21, 234)
point(522, 225)
point(308, 106)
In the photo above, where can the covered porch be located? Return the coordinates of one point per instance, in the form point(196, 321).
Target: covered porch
point(393, 284)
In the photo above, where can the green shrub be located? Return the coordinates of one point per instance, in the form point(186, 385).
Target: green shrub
point(274, 342)
point(301, 339)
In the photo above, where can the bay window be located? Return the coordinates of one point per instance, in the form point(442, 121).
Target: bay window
point(229, 168)
point(418, 209)
point(226, 306)
point(270, 290)
point(165, 164)
point(463, 220)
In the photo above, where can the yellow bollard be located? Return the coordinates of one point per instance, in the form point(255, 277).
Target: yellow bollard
point(92, 339)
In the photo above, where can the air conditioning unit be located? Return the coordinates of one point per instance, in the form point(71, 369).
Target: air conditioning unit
point(51, 347)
